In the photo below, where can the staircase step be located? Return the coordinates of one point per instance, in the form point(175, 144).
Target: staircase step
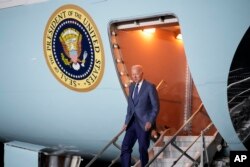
point(169, 162)
point(188, 138)
point(185, 141)
point(172, 152)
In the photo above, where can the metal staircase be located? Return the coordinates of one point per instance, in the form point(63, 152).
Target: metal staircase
point(173, 156)
point(177, 150)
point(186, 151)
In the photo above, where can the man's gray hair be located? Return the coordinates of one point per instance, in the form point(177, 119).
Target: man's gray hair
point(138, 67)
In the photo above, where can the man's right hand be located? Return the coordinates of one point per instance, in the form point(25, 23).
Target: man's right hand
point(124, 127)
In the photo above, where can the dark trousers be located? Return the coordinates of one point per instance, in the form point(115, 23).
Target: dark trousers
point(134, 132)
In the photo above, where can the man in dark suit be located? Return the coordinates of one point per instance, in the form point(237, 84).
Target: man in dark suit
point(143, 107)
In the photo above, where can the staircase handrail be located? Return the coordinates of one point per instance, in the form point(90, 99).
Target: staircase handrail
point(200, 135)
point(204, 148)
point(174, 136)
point(160, 83)
point(106, 147)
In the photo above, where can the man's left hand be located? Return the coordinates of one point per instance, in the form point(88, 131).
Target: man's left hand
point(148, 126)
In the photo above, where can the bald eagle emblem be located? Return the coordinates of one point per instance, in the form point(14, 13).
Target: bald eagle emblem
point(71, 40)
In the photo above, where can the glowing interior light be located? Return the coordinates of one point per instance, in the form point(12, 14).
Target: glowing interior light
point(149, 30)
point(118, 60)
point(116, 46)
point(179, 36)
point(113, 33)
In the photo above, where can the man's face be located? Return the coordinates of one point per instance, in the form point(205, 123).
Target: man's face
point(136, 75)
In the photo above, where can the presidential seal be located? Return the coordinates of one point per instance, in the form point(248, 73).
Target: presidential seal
point(73, 48)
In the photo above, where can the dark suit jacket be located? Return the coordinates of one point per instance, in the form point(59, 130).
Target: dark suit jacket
point(147, 107)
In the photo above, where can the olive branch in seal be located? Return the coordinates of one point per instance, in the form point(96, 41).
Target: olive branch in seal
point(65, 60)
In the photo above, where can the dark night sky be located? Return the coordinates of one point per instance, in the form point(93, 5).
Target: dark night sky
point(242, 55)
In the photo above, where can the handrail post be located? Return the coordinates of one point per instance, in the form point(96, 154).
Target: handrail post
point(203, 146)
point(202, 150)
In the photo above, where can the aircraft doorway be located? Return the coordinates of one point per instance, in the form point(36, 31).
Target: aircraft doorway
point(152, 42)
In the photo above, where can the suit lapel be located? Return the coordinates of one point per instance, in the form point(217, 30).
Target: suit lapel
point(143, 86)
point(131, 90)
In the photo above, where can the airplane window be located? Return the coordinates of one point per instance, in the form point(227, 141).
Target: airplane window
point(239, 90)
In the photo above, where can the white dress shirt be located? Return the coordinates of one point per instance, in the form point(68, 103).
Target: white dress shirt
point(139, 87)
